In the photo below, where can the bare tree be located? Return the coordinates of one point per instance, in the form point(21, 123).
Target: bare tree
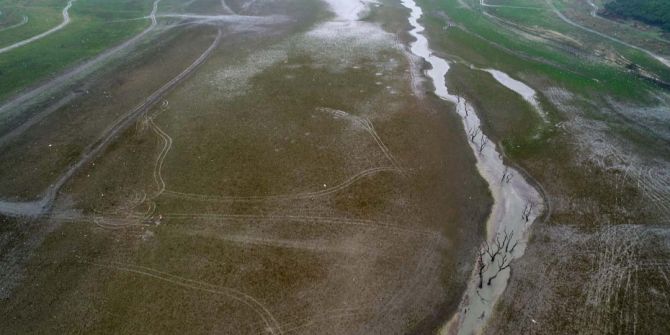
point(481, 266)
point(527, 211)
point(504, 263)
point(508, 178)
point(473, 134)
point(482, 143)
point(500, 249)
point(506, 175)
point(492, 251)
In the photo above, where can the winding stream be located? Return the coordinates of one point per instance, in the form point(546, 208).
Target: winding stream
point(512, 194)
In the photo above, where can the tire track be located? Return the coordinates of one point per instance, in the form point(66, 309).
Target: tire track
point(298, 196)
point(24, 20)
point(366, 124)
point(321, 246)
point(116, 223)
point(258, 307)
point(158, 167)
point(290, 326)
point(373, 132)
point(657, 190)
point(227, 8)
point(423, 269)
point(615, 279)
point(305, 219)
point(651, 182)
point(484, 4)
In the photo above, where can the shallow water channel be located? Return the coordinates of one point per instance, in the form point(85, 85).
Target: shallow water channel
point(516, 202)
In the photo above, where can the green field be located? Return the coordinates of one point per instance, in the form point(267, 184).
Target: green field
point(95, 25)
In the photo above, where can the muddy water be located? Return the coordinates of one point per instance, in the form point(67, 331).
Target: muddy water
point(511, 193)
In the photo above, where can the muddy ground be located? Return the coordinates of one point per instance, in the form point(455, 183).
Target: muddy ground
point(597, 262)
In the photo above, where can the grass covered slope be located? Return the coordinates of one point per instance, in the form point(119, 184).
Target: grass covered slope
point(654, 12)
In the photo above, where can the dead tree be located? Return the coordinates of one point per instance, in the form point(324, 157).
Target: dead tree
point(473, 134)
point(500, 245)
point(481, 266)
point(506, 176)
point(527, 211)
point(495, 255)
point(504, 263)
point(504, 248)
point(482, 143)
point(492, 251)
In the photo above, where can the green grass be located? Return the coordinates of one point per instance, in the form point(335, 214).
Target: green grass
point(42, 16)
point(96, 25)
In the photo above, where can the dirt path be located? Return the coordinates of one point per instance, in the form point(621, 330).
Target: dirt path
point(484, 4)
point(66, 21)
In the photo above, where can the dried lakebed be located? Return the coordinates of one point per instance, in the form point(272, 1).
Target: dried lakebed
point(290, 176)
